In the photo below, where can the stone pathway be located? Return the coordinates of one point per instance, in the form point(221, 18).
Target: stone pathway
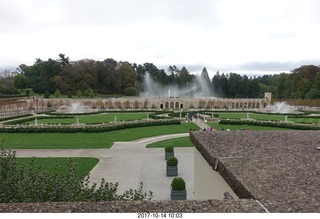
point(130, 163)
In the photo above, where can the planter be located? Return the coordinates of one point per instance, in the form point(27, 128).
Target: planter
point(169, 154)
point(172, 170)
point(178, 194)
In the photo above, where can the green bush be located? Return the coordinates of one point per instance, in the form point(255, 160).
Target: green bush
point(172, 161)
point(50, 129)
point(32, 184)
point(46, 94)
point(269, 124)
point(169, 149)
point(178, 184)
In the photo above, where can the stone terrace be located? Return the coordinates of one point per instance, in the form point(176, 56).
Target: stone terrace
point(281, 169)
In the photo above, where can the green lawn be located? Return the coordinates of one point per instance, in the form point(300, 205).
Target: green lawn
point(87, 140)
point(269, 117)
point(84, 165)
point(95, 118)
point(305, 120)
point(185, 141)
point(176, 142)
point(218, 127)
point(251, 116)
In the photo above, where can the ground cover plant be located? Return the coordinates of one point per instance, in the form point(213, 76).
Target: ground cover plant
point(88, 140)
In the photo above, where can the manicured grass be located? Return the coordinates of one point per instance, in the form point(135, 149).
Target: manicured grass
point(185, 141)
point(251, 116)
point(305, 120)
point(176, 142)
point(87, 140)
point(269, 117)
point(218, 127)
point(95, 118)
point(83, 165)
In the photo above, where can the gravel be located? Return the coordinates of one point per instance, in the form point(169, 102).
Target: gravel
point(205, 206)
point(281, 169)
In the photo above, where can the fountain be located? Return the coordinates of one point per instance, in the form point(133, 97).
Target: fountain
point(197, 88)
point(75, 107)
point(35, 121)
point(286, 119)
point(248, 116)
point(115, 119)
point(77, 121)
point(280, 107)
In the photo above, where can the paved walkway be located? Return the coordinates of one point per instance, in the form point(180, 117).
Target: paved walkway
point(130, 163)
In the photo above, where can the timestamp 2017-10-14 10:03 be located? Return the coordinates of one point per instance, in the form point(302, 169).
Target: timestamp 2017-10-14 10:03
point(159, 215)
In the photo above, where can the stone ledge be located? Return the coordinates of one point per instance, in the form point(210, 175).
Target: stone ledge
point(192, 206)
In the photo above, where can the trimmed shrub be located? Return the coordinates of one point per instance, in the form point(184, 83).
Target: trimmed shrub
point(172, 161)
point(50, 129)
point(178, 184)
point(168, 149)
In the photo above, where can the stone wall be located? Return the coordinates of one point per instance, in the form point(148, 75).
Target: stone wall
point(169, 103)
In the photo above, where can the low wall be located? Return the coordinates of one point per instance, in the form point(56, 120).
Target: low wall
point(208, 184)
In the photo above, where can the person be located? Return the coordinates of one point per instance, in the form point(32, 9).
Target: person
point(211, 129)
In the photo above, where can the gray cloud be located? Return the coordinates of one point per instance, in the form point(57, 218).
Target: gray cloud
point(224, 36)
point(273, 66)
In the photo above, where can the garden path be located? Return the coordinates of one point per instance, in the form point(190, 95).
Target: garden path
point(130, 163)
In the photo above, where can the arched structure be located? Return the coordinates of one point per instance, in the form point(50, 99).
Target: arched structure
point(169, 103)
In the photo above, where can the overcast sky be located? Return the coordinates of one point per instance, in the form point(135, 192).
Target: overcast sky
point(242, 36)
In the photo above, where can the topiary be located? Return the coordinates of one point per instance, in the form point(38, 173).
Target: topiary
point(178, 184)
point(168, 149)
point(172, 161)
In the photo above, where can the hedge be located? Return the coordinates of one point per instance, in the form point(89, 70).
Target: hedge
point(14, 117)
point(270, 124)
point(85, 129)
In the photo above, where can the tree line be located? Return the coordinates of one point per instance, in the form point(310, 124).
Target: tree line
point(87, 77)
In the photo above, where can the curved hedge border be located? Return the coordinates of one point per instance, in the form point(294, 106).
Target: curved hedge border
point(100, 112)
point(270, 124)
point(14, 117)
point(86, 129)
point(21, 121)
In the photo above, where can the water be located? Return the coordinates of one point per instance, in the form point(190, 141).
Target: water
point(198, 88)
point(75, 107)
point(280, 107)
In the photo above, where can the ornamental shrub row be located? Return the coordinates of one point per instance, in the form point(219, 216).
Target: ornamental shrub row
point(86, 129)
point(270, 124)
point(14, 117)
point(21, 121)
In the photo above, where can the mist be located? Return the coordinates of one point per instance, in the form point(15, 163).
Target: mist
point(197, 88)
